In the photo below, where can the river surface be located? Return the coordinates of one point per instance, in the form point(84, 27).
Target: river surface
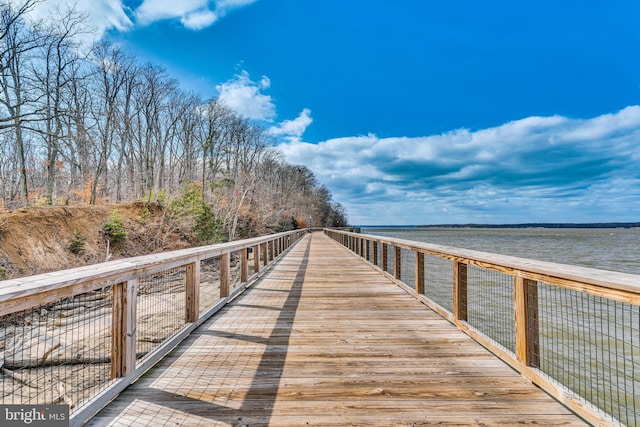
point(615, 249)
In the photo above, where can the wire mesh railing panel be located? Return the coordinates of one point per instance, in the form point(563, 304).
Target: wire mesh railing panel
point(591, 345)
point(57, 353)
point(490, 305)
point(209, 283)
point(376, 255)
point(408, 263)
point(160, 308)
point(391, 255)
point(366, 249)
point(437, 276)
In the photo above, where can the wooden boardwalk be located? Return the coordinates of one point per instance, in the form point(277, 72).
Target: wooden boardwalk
point(324, 339)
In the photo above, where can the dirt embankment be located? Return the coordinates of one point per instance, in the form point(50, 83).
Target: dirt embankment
point(37, 240)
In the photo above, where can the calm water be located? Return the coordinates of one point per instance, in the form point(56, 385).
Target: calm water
point(616, 249)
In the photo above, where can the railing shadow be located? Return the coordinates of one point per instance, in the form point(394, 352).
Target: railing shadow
point(169, 402)
point(273, 359)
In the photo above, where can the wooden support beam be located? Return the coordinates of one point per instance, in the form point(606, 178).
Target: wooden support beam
point(460, 291)
point(265, 260)
point(419, 272)
point(123, 337)
point(256, 258)
point(192, 297)
point(225, 274)
point(367, 249)
point(375, 253)
point(397, 263)
point(385, 257)
point(526, 314)
point(244, 265)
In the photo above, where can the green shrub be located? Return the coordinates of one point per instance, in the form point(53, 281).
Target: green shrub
point(208, 229)
point(191, 209)
point(77, 243)
point(114, 229)
point(144, 216)
point(159, 196)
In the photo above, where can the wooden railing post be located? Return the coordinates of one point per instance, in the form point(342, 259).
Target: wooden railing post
point(459, 291)
point(375, 252)
point(244, 265)
point(526, 316)
point(419, 273)
point(367, 249)
point(123, 334)
point(192, 297)
point(397, 263)
point(265, 260)
point(225, 274)
point(256, 258)
point(385, 257)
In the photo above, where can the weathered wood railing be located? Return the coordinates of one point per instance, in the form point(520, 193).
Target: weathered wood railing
point(573, 331)
point(81, 336)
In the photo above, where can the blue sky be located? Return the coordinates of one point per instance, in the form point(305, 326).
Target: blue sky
point(419, 111)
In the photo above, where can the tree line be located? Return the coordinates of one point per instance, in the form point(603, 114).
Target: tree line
point(91, 125)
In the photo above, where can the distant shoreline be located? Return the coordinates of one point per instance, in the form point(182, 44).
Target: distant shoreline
point(525, 225)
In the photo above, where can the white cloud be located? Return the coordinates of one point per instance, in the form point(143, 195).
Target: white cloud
point(102, 15)
point(244, 96)
point(534, 169)
point(105, 15)
point(156, 10)
point(199, 19)
point(293, 130)
point(193, 14)
point(227, 4)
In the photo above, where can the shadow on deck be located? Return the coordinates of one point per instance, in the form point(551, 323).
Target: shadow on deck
point(325, 339)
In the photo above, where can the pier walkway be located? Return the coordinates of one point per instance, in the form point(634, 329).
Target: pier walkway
point(326, 339)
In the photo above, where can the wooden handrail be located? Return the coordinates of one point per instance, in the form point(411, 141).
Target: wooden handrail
point(32, 291)
point(526, 273)
point(18, 295)
point(615, 285)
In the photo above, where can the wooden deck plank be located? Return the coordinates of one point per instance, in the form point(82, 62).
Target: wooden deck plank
point(324, 339)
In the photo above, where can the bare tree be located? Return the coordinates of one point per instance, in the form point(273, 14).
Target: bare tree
point(54, 71)
point(84, 117)
point(18, 40)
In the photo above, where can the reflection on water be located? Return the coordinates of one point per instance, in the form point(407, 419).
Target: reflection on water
point(616, 249)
